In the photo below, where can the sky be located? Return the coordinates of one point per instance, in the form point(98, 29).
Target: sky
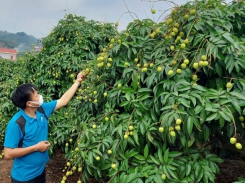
point(39, 17)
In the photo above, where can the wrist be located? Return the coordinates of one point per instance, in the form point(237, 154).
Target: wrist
point(77, 82)
point(35, 147)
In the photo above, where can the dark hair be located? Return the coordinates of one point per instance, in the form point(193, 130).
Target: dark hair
point(22, 95)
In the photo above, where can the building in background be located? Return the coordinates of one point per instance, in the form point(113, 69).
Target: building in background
point(38, 48)
point(10, 54)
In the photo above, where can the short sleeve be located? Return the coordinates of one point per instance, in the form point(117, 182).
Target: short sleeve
point(13, 135)
point(49, 107)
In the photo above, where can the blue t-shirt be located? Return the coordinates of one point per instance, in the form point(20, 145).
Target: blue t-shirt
point(36, 129)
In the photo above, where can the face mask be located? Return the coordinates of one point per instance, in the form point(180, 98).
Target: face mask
point(40, 101)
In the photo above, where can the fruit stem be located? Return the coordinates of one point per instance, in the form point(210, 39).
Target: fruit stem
point(191, 28)
point(201, 45)
point(234, 79)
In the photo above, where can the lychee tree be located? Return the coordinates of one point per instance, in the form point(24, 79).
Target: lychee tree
point(171, 89)
point(163, 93)
point(73, 42)
point(10, 78)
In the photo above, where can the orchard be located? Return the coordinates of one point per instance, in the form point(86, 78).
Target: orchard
point(162, 101)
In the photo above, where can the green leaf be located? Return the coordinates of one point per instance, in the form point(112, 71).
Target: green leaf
point(90, 157)
point(229, 60)
point(99, 172)
point(124, 103)
point(111, 173)
point(228, 37)
point(198, 87)
point(166, 156)
point(155, 160)
point(197, 40)
point(191, 141)
point(139, 157)
point(166, 108)
point(131, 177)
point(143, 107)
point(142, 90)
point(135, 80)
point(136, 138)
point(195, 94)
point(198, 109)
point(188, 169)
point(197, 168)
point(120, 130)
point(223, 115)
point(218, 69)
point(183, 140)
point(184, 88)
point(198, 171)
point(208, 107)
point(144, 97)
point(238, 95)
point(206, 132)
point(97, 152)
point(159, 152)
point(116, 48)
point(209, 175)
point(149, 80)
point(146, 151)
point(130, 153)
point(105, 166)
point(221, 122)
point(198, 26)
point(127, 89)
point(211, 117)
point(173, 154)
point(153, 116)
point(172, 173)
point(236, 106)
point(194, 101)
point(184, 102)
point(166, 171)
point(138, 112)
point(216, 159)
point(89, 170)
point(150, 136)
point(190, 125)
point(125, 44)
point(142, 128)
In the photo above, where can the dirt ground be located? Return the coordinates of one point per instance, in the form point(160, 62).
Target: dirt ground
point(54, 170)
point(228, 173)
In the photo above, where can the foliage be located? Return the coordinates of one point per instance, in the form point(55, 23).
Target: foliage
point(240, 180)
point(156, 94)
point(10, 78)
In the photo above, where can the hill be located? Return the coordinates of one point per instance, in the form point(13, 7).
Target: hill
point(20, 41)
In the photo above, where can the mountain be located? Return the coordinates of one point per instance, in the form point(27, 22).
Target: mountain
point(20, 41)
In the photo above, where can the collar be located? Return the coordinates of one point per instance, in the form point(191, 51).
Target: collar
point(28, 118)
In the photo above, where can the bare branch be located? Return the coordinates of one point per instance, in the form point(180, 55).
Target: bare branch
point(162, 14)
point(128, 9)
point(168, 1)
point(125, 13)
